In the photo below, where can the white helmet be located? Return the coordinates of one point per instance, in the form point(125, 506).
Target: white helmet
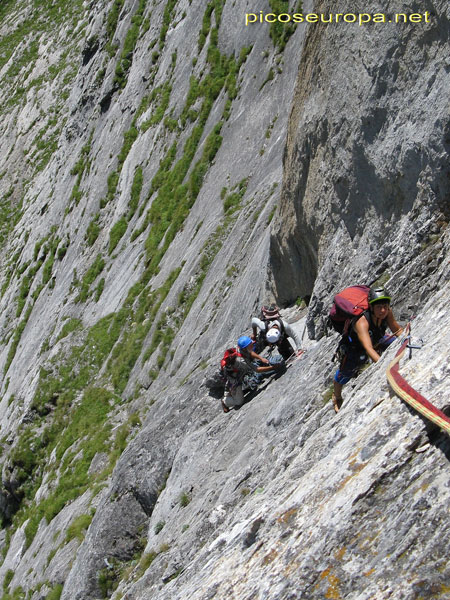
point(273, 335)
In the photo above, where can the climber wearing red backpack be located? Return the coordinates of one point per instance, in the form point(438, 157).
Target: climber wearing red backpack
point(364, 331)
point(236, 372)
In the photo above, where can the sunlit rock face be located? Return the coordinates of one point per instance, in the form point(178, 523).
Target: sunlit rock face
point(365, 169)
point(166, 168)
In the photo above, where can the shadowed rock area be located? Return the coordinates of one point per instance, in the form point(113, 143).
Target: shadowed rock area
point(164, 170)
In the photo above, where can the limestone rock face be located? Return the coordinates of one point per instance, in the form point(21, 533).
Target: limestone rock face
point(365, 168)
point(164, 170)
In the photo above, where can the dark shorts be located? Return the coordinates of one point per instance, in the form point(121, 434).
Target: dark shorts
point(351, 362)
point(354, 358)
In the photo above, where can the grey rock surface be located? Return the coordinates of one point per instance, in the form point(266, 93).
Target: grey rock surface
point(121, 476)
point(365, 180)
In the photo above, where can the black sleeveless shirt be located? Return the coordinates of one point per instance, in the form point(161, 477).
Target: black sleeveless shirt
point(375, 332)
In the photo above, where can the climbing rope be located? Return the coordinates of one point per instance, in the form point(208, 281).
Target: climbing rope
point(407, 393)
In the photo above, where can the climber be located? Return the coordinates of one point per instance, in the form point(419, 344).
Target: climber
point(259, 364)
point(242, 368)
point(235, 370)
point(366, 338)
point(274, 331)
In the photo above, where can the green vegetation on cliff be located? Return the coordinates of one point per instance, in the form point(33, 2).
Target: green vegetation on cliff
point(84, 375)
point(280, 32)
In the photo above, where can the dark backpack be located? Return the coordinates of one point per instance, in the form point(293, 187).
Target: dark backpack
point(347, 307)
point(269, 314)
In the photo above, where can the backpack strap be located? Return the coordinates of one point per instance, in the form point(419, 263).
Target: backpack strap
point(280, 323)
point(377, 331)
point(270, 313)
point(350, 323)
point(349, 329)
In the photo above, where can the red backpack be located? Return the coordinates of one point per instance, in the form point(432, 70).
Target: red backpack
point(347, 307)
point(227, 359)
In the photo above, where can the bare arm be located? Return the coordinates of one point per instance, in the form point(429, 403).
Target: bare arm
point(362, 329)
point(256, 369)
point(258, 357)
point(393, 325)
point(264, 369)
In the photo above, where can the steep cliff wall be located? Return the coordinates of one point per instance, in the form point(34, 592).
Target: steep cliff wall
point(366, 164)
point(141, 165)
point(146, 213)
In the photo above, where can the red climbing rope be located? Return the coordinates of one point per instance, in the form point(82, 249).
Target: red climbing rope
point(402, 388)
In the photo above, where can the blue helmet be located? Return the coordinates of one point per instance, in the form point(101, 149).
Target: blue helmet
point(244, 341)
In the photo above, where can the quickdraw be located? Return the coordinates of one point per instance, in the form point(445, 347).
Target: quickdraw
point(407, 393)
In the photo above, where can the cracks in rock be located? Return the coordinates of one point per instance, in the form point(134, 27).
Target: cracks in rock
point(105, 102)
point(247, 476)
point(90, 49)
point(384, 480)
point(251, 535)
point(146, 502)
point(431, 433)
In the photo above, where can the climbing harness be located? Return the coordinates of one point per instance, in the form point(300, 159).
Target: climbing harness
point(407, 393)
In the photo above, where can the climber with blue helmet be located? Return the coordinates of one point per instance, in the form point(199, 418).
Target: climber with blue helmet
point(259, 363)
point(247, 349)
point(243, 368)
